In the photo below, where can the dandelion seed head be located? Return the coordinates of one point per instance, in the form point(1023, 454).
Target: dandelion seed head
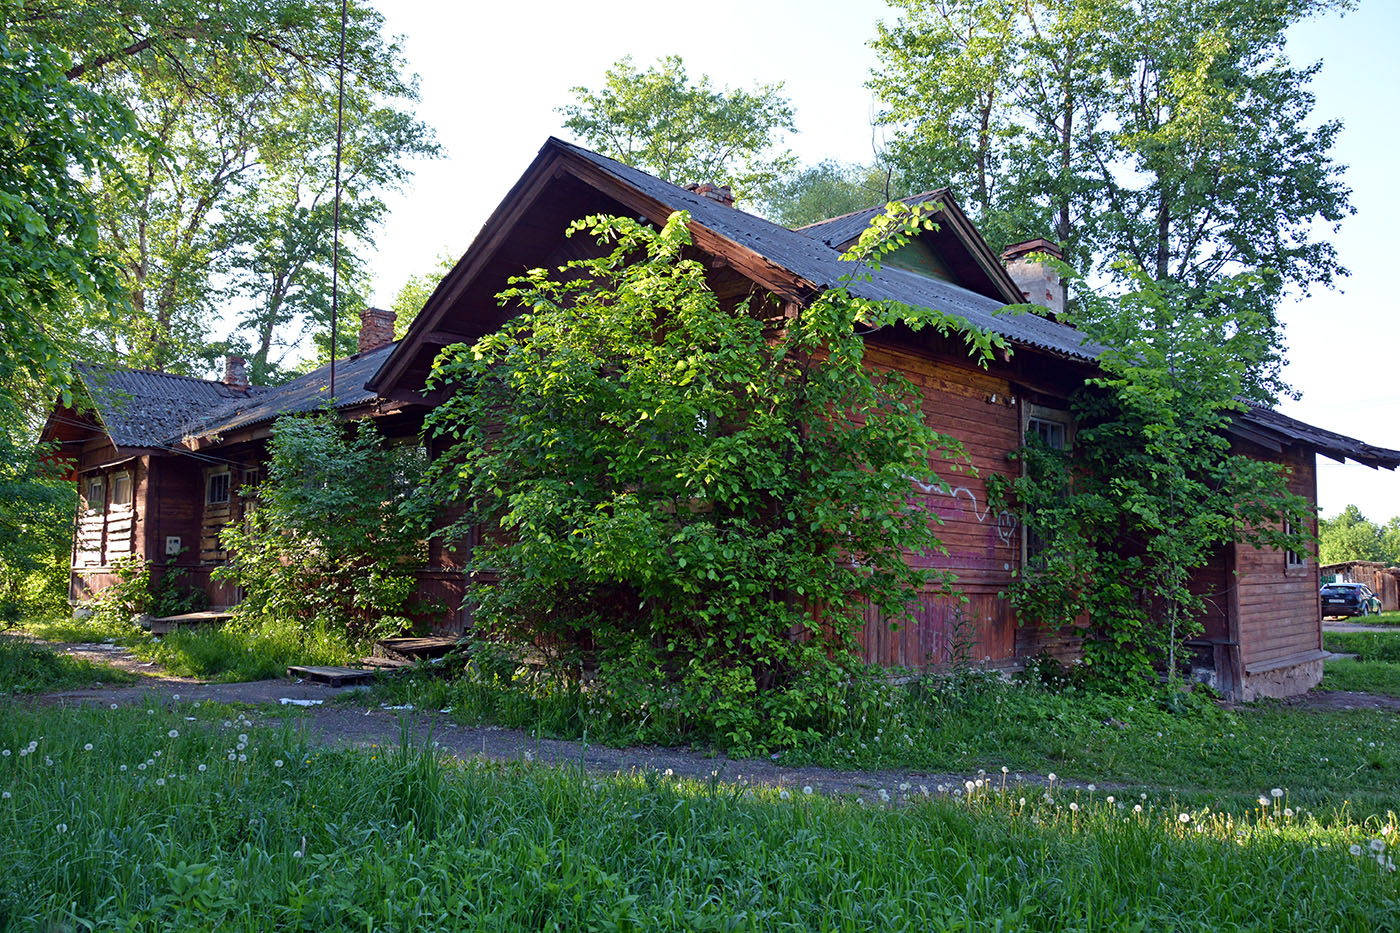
point(87, 748)
point(1092, 788)
point(807, 789)
point(1137, 808)
point(1354, 849)
point(1185, 817)
point(1263, 801)
point(277, 763)
point(242, 757)
point(62, 827)
point(1288, 811)
point(1377, 845)
point(1276, 793)
point(123, 767)
point(174, 733)
point(160, 782)
point(1074, 807)
point(1109, 798)
point(1051, 776)
point(784, 795)
point(203, 767)
point(4, 795)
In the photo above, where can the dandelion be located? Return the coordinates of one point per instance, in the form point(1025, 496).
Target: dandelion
point(1005, 769)
point(1276, 793)
point(670, 772)
point(1137, 808)
point(784, 795)
point(1263, 801)
point(1185, 817)
point(1109, 798)
point(203, 767)
point(4, 795)
point(5, 753)
point(1051, 776)
point(123, 767)
point(807, 789)
point(174, 733)
point(904, 785)
point(1074, 807)
point(243, 737)
point(48, 761)
point(969, 785)
point(296, 854)
point(160, 782)
point(1288, 812)
point(277, 763)
point(150, 712)
point(942, 788)
point(1092, 788)
point(62, 827)
point(1142, 796)
point(232, 756)
point(114, 706)
point(1021, 802)
point(141, 766)
point(155, 754)
point(1354, 849)
point(1377, 845)
point(242, 757)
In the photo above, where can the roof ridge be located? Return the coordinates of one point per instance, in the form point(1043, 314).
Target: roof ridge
point(98, 367)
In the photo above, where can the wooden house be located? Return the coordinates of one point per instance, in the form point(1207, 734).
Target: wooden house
point(1263, 633)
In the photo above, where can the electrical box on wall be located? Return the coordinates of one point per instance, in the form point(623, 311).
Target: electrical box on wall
point(172, 545)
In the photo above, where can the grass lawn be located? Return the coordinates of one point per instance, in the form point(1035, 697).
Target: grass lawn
point(30, 668)
point(123, 819)
point(227, 654)
point(1384, 618)
point(1213, 756)
point(1381, 677)
point(1367, 646)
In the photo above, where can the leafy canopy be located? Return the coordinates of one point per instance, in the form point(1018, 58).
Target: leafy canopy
point(1174, 133)
point(1150, 489)
point(685, 132)
point(704, 495)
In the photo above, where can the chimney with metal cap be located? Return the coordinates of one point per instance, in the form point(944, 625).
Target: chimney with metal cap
point(376, 328)
point(236, 372)
point(1038, 282)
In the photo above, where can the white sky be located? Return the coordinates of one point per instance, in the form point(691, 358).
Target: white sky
point(492, 73)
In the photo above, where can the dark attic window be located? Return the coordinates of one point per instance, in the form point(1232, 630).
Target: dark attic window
point(216, 493)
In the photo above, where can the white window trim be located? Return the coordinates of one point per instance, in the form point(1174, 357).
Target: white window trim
point(209, 486)
point(130, 491)
point(100, 481)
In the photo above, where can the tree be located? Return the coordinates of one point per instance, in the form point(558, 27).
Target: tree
point(324, 545)
point(704, 495)
point(1148, 492)
point(1170, 132)
point(830, 189)
point(236, 105)
point(414, 294)
point(1352, 536)
point(54, 273)
point(683, 132)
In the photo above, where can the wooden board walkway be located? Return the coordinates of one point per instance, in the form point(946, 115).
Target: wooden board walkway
point(409, 650)
point(331, 676)
point(167, 624)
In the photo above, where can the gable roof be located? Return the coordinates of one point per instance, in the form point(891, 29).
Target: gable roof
point(1262, 425)
point(141, 408)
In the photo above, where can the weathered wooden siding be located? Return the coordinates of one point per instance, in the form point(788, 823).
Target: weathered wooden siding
point(976, 408)
point(1279, 613)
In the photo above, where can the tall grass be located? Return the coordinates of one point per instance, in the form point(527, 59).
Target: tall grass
point(1380, 677)
point(1367, 646)
point(229, 653)
point(30, 668)
point(128, 820)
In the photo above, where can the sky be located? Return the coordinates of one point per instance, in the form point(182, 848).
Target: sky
point(491, 76)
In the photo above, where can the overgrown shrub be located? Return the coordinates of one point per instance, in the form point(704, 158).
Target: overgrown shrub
point(703, 494)
point(137, 591)
point(323, 543)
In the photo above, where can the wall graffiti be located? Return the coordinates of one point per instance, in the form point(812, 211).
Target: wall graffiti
point(1005, 521)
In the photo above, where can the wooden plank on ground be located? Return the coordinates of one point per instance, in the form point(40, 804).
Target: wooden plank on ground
point(331, 676)
point(166, 624)
point(415, 649)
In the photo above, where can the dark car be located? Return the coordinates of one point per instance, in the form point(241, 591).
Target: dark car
point(1349, 599)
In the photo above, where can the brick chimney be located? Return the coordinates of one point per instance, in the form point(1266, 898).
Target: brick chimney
point(236, 372)
point(376, 328)
point(720, 193)
point(1038, 282)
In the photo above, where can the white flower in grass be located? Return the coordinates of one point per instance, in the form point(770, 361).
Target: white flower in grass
point(203, 767)
point(1142, 796)
point(242, 757)
point(1263, 801)
point(1137, 808)
point(114, 706)
point(1092, 788)
point(160, 782)
point(1276, 793)
point(62, 827)
point(969, 786)
point(1377, 845)
point(228, 724)
point(1386, 830)
point(243, 737)
point(1109, 798)
point(1185, 817)
point(4, 795)
point(150, 712)
point(48, 761)
point(277, 762)
point(174, 733)
point(232, 756)
point(884, 795)
point(1021, 802)
point(5, 753)
point(86, 748)
point(242, 745)
point(1051, 777)
point(669, 772)
point(23, 752)
point(175, 696)
point(943, 788)
point(904, 785)
point(123, 767)
point(1288, 812)
point(141, 766)
point(296, 854)
point(784, 795)
point(807, 789)
point(1074, 807)
point(155, 754)
point(1005, 769)
point(1354, 849)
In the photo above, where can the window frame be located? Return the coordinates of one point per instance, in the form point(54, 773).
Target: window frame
point(98, 502)
point(209, 482)
point(117, 481)
point(1292, 560)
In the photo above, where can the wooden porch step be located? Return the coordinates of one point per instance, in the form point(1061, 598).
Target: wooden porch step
point(331, 676)
point(410, 650)
point(166, 624)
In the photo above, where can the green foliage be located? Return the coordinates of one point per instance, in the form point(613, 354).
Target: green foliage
point(1149, 491)
point(707, 495)
point(1353, 536)
point(322, 544)
point(437, 843)
point(232, 174)
point(1174, 132)
point(29, 668)
point(684, 132)
point(830, 189)
point(414, 294)
point(139, 591)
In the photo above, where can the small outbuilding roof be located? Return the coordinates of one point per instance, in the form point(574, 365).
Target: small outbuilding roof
point(1283, 429)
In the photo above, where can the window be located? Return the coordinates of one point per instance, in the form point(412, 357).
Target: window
point(1051, 427)
point(121, 489)
point(216, 492)
point(96, 492)
point(1292, 559)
